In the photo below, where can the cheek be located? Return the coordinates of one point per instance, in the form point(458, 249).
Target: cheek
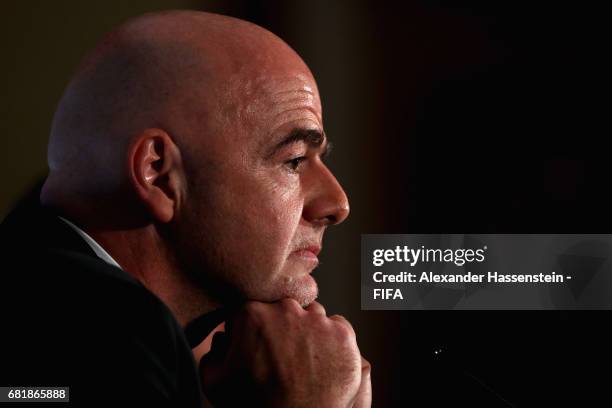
point(261, 218)
point(277, 213)
point(248, 228)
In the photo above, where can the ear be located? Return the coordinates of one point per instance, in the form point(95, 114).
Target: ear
point(156, 173)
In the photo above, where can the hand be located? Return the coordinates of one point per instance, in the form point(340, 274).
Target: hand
point(364, 395)
point(280, 354)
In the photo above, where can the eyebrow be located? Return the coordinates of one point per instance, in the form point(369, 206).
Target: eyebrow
point(312, 137)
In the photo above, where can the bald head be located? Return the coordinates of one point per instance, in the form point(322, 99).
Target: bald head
point(187, 73)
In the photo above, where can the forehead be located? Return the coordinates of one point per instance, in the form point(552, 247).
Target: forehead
point(271, 103)
point(278, 87)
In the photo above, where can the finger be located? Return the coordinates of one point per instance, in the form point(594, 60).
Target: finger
point(316, 308)
point(364, 395)
point(365, 364)
point(291, 304)
point(342, 320)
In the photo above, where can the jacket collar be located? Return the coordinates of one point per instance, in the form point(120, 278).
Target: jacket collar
point(32, 226)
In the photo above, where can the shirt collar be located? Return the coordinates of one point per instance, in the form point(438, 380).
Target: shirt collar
point(97, 248)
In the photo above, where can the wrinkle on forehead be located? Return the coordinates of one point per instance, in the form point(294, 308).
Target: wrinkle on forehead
point(269, 100)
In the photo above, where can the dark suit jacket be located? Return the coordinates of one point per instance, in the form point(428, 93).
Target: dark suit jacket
point(67, 318)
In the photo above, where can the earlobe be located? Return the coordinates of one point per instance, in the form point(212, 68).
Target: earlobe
point(153, 167)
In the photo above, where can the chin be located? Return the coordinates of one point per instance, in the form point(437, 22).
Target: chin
point(304, 290)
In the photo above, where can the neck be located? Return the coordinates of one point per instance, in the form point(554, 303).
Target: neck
point(139, 250)
point(141, 254)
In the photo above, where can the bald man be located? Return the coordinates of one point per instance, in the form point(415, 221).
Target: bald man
point(186, 187)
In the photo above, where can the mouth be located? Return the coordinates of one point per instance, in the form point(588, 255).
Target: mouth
point(308, 254)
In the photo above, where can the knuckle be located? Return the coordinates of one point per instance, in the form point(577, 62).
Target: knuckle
point(341, 321)
point(317, 308)
point(343, 328)
point(290, 305)
point(345, 333)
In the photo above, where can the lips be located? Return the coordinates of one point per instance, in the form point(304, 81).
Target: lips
point(308, 253)
point(315, 249)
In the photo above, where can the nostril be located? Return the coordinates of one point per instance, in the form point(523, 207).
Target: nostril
point(332, 219)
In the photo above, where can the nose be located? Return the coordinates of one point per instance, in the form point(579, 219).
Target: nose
point(326, 202)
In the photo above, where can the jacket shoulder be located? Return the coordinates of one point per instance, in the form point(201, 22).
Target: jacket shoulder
point(99, 327)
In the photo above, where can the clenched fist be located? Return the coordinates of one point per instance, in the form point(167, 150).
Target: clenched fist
point(282, 355)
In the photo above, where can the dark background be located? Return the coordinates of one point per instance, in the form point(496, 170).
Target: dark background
point(448, 117)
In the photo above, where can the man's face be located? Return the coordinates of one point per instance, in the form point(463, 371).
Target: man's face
point(257, 209)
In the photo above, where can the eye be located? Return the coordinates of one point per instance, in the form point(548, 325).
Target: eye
point(294, 164)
